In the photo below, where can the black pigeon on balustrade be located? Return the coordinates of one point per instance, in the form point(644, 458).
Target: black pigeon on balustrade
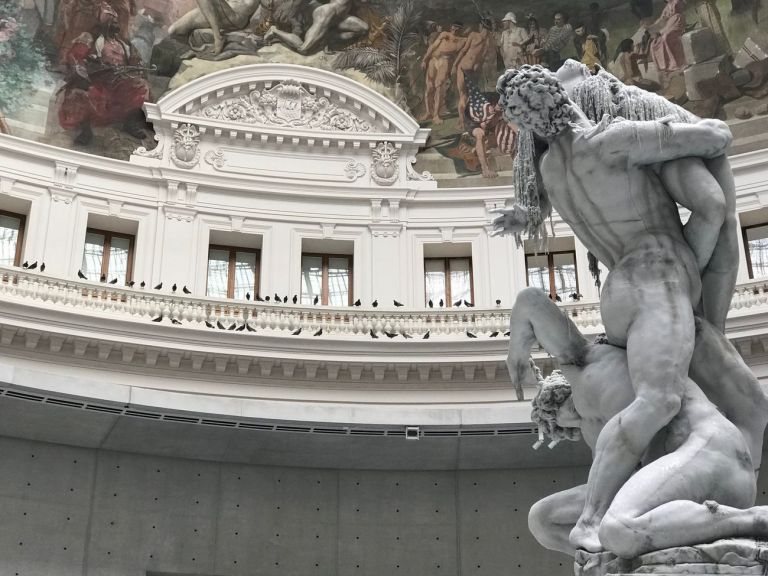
point(457, 304)
point(32, 266)
point(240, 328)
point(159, 286)
point(25, 265)
point(494, 334)
point(442, 303)
point(406, 335)
point(277, 298)
point(398, 304)
point(358, 302)
point(471, 335)
point(131, 283)
point(258, 298)
point(373, 334)
point(143, 284)
point(42, 267)
point(247, 295)
point(113, 281)
point(249, 327)
point(426, 335)
point(81, 275)
point(103, 278)
point(468, 304)
point(431, 304)
point(232, 326)
point(220, 326)
point(295, 299)
point(174, 287)
point(296, 332)
point(390, 334)
point(285, 299)
point(266, 298)
point(506, 333)
point(557, 298)
point(375, 303)
point(186, 290)
point(158, 319)
point(575, 296)
point(498, 302)
point(316, 300)
point(318, 333)
point(209, 324)
point(174, 321)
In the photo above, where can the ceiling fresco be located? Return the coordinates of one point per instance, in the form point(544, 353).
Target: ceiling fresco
point(75, 73)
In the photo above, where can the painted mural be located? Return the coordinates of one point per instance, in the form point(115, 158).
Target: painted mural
point(75, 73)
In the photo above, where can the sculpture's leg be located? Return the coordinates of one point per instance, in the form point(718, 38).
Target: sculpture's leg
point(551, 519)
point(292, 41)
point(648, 298)
point(674, 501)
point(461, 85)
point(352, 27)
point(535, 318)
point(481, 149)
point(192, 20)
point(442, 71)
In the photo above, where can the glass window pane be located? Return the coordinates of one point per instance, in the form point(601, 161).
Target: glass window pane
point(565, 274)
point(757, 240)
point(538, 272)
point(9, 236)
point(118, 259)
point(218, 271)
point(311, 278)
point(338, 281)
point(245, 274)
point(93, 255)
point(434, 276)
point(461, 279)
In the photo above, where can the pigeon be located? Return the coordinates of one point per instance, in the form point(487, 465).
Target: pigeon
point(406, 335)
point(375, 303)
point(142, 284)
point(103, 278)
point(390, 334)
point(209, 324)
point(159, 286)
point(285, 299)
point(574, 296)
point(240, 328)
point(457, 303)
point(25, 265)
point(174, 321)
point(131, 283)
point(277, 298)
point(373, 334)
point(398, 304)
point(232, 326)
point(42, 267)
point(506, 333)
point(174, 287)
point(358, 303)
point(296, 332)
point(498, 302)
point(494, 334)
point(158, 319)
point(220, 326)
point(295, 299)
point(318, 333)
point(113, 281)
point(266, 299)
point(81, 275)
point(32, 266)
point(471, 335)
point(186, 290)
point(258, 298)
point(468, 304)
point(557, 298)
point(431, 304)
point(249, 327)
point(316, 300)
point(426, 335)
point(442, 303)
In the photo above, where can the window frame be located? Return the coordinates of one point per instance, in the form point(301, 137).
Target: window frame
point(745, 242)
point(106, 249)
point(20, 239)
point(231, 268)
point(551, 268)
point(447, 272)
point(325, 257)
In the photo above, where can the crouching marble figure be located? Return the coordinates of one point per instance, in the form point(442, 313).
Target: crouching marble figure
point(617, 183)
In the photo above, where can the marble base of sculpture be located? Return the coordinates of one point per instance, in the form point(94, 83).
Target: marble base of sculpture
point(730, 556)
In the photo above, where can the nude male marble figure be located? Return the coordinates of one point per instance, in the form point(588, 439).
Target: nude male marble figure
point(697, 483)
point(597, 178)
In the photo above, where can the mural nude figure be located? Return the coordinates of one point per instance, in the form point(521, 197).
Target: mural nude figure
point(470, 60)
point(333, 19)
point(437, 62)
point(598, 179)
point(697, 483)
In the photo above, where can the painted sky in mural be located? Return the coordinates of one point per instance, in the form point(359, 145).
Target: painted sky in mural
point(75, 73)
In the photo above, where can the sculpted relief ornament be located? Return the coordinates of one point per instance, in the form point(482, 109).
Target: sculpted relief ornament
point(289, 105)
point(384, 163)
point(185, 151)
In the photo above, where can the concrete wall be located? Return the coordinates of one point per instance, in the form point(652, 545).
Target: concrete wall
point(82, 512)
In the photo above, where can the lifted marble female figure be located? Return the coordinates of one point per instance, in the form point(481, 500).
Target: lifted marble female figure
point(697, 483)
point(599, 180)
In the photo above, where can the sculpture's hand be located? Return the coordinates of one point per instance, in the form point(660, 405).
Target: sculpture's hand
point(509, 220)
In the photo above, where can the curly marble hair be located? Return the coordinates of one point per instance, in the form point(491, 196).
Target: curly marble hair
point(533, 98)
point(553, 392)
